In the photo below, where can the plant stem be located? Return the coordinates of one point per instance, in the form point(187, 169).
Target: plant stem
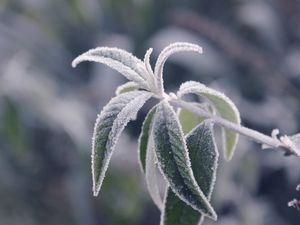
point(272, 142)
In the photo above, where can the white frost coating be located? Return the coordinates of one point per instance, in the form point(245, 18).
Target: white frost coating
point(151, 179)
point(172, 117)
point(197, 87)
point(120, 60)
point(200, 89)
point(215, 166)
point(128, 113)
point(293, 142)
point(210, 124)
point(147, 60)
point(166, 53)
point(150, 74)
point(127, 85)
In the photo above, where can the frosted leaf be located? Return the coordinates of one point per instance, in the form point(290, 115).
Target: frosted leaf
point(120, 60)
point(151, 178)
point(108, 127)
point(177, 212)
point(224, 107)
point(166, 53)
point(204, 160)
point(147, 60)
point(144, 138)
point(174, 162)
point(129, 86)
point(147, 158)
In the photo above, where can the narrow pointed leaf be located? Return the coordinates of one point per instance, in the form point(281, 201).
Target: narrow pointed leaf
point(147, 158)
point(109, 125)
point(204, 156)
point(120, 60)
point(151, 178)
point(173, 159)
point(177, 212)
point(150, 75)
point(129, 86)
point(144, 138)
point(147, 61)
point(166, 53)
point(224, 107)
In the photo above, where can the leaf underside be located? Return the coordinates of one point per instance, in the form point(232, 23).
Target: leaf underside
point(224, 107)
point(151, 178)
point(173, 159)
point(147, 158)
point(144, 138)
point(204, 156)
point(108, 127)
point(127, 87)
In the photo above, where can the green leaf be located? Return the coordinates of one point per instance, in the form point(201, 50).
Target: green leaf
point(129, 86)
point(224, 107)
point(204, 160)
point(151, 178)
point(120, 60)
point(189, 120)
point(173, 159)
point(144, 138)
point(177, 212)
point(147, 158)
point(109, 125)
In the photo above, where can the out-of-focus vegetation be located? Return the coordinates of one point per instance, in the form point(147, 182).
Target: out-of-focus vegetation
point(47, 109)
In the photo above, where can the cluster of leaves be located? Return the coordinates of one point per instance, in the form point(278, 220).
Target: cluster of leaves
point(181, 144)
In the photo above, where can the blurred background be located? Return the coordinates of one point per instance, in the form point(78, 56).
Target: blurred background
point(47, 108)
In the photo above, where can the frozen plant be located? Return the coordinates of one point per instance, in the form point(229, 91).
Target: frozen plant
point(177, 136)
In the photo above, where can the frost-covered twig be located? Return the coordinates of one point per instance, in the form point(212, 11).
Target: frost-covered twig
point(265, 140)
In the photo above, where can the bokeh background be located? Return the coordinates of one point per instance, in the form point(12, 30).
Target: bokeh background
point(47, 108)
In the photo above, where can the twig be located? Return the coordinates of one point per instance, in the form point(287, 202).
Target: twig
point(269, 141)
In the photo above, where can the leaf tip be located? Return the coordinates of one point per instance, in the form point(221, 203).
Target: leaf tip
point(228, 156)
point(74, 62)
point(96, 189)
point(214, 216)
